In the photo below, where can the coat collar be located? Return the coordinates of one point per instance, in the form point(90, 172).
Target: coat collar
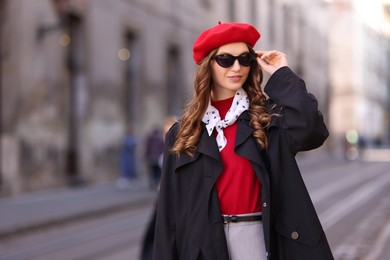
point(244, 146)
point(244, 131)
point(207, 145)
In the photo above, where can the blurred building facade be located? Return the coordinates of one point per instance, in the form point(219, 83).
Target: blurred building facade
point(359, 63)
point(76, 73)
point(341, 49)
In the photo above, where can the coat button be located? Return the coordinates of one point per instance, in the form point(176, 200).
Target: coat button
point(294, 235)
point(264, 204)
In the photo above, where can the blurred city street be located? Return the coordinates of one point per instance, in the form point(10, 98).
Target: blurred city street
point(351, 198)
point(103, 222)
point(87, 86)
point(96, 222)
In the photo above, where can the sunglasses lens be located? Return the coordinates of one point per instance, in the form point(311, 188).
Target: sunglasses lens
point(225, 60)
point(245, 59)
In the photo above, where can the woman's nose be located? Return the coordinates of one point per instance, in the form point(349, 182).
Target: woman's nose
point(236, 65)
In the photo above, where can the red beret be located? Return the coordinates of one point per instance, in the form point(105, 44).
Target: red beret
point(222, 34)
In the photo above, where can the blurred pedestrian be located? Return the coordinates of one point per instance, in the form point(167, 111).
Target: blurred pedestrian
point(148, 239)
point(168, 123)
point(128, 167)
point(230, 186)
point(154, 149)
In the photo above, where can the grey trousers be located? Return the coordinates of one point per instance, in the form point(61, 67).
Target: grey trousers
point(245, 240)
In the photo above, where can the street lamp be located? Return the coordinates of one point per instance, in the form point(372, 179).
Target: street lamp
point(62, 7)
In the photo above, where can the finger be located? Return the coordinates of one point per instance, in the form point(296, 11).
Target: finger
point(261, 54)
point(276, 52)
point(272, 54)
point(269, 55)
point(262, 62)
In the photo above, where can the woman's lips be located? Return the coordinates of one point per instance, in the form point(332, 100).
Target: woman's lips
point(235, 78)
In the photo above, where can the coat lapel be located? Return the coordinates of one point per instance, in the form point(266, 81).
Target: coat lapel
point(212, 168)
point(207, 145)
point(244, 131)
point(246, 146)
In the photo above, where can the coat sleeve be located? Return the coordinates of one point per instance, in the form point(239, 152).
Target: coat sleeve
point(165, 233)
point(297, 109)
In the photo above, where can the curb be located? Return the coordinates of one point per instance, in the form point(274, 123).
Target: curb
point(141, 199)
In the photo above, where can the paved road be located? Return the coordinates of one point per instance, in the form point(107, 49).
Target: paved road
point(113, 237)
point(350, 197)
point(352, 200)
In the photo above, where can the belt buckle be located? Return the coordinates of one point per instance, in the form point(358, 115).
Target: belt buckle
point(228, 219)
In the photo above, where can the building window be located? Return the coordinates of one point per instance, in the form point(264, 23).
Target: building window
point(231, 10)
point(271, 20)
point(288, 26)
point(205, 4)
point(76, 66)
point(130, 54)
point(253, 10)
point(174, 81)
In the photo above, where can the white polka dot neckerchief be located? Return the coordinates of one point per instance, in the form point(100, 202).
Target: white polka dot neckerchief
point(212, 119)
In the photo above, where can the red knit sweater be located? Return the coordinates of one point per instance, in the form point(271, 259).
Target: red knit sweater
point(238, 188)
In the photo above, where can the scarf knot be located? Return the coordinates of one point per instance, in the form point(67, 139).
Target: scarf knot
point(213, 120)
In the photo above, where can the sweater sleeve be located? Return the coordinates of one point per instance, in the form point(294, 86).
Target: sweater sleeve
point(297, 109)
point(165, 233)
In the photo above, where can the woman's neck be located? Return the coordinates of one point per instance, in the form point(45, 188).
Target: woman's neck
point(223, 105)
point(222, 95)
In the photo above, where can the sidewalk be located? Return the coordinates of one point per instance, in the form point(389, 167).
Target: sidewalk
point(46, 208)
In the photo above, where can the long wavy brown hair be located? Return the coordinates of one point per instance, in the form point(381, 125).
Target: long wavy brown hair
point(191, 120)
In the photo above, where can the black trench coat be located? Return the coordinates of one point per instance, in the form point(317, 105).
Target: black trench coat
point(189, 224)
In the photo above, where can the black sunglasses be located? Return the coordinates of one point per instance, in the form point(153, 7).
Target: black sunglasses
point(227, 60)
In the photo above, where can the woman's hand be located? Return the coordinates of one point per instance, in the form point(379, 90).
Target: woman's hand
point(271, 61)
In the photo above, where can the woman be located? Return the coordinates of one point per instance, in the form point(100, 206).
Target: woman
point(231, 188)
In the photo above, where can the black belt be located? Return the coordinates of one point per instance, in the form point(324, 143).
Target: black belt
point(234, 218)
